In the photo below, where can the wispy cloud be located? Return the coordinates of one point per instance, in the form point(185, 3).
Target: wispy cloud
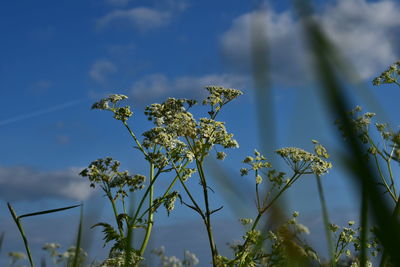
point(367, 33)
point(158, 86)
point(144, 18)
point(25, 183)
point(38, 113)
point(101, 69)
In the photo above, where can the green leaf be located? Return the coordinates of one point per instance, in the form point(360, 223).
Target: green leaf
point(109, 233)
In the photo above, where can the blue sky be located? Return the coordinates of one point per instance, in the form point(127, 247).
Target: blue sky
point(57, 58)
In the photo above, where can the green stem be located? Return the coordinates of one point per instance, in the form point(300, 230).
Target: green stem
point(150, 215)
point(166, 191)
point(389, 166)
point(207, 221)
point(384, 179)
point(294, 177)
point(198, 209)
point(257, 194)
point(22, 232)
point(326, 219)
point(135, 138)
point(114, 207)
point(149, 188)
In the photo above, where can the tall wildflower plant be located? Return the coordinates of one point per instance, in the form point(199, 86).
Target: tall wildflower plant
point(176, 143)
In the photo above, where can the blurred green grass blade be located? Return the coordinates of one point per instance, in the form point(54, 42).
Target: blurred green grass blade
point(76, 261)
point(364, 175)
point(22, 232)
point(48, 211)
point(261, 75)
point(1, 241)
point(364, 226)
point(395, 215)
point(325, 217)
point(265, 108)
point(43, 262)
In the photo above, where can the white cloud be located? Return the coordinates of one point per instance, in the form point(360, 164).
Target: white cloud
point(364, 31)
point(144, 18)
point(159, 86)
point(141, 18)
point(25, 183)
point(101, 69)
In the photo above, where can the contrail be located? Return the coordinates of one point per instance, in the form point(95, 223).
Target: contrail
point(39, 112)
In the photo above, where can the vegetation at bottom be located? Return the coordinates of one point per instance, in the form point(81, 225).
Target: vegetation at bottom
point(176, 148)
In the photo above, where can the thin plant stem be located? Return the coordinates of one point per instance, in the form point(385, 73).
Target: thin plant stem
point(207, 221)
point(197, 207)
point(261, 212)
point(166, 191)
point(384, 179)
point(149, 188)
point(325, 217)
point(135, 138)
point(293, 179)
point(123, 202)
point(22, 232)
point(150, 215)
point(389, 166)
point(115, 211)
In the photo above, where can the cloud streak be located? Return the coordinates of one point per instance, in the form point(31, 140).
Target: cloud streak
point(38, 113)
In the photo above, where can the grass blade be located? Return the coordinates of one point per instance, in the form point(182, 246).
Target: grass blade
point(76, 261)
point(22, 232)
point(43, 262)
point(1, 240)
point(326, 220)
point(364, 226)
point(48, 211)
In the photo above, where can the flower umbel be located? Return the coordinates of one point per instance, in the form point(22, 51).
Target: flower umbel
point(305, 162)
point(120, 113)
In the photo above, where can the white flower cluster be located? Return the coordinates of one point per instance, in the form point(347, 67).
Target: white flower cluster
point(304, 162)
point(391, 75)
point(220, 96)
point(120, 113)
